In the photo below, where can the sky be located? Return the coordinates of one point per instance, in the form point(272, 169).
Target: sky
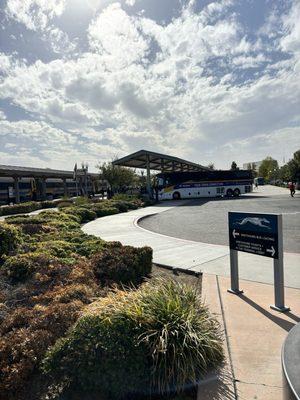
point(92, 80)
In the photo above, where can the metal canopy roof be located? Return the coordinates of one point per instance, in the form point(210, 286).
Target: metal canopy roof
point(29, 172)
point(157, 161)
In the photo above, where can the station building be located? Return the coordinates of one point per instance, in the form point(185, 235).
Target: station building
point(19, 184)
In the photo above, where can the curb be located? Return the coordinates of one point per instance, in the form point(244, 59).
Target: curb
point(181, 270)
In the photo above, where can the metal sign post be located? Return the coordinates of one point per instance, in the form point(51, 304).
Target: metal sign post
point(278, 273)
point(259, 234)
point(234, 273)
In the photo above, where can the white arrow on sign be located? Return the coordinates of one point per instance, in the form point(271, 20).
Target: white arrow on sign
point(235, 234)
point(271, 250)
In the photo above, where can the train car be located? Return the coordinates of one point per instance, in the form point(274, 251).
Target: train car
point(32, 189)
point(7, 190)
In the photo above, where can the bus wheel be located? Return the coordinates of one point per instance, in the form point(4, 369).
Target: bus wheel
point(176, 196)
point(236, 192)
point(229, 193)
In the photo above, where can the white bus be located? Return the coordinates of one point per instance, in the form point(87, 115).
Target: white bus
point(185, 185)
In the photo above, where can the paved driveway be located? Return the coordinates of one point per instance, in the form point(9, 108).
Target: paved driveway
point(205, 220)
point(185, 254)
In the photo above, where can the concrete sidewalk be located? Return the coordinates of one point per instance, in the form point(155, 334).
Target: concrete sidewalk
point(185, 254)
point(254, 337)
point(32, 213)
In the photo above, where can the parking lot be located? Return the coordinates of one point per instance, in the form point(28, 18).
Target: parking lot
point(205, 220)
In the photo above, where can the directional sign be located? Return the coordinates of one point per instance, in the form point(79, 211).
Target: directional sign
point(254, 233)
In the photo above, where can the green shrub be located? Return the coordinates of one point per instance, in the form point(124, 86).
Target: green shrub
point(56, 248)
point(89, 246)
point(48, 204)
point(34, 229)
point(158, 338)
point(20, 267)
point(133, 205)
point(21, 208)
point(123, 265)
point(82, 200)
point(104, 211)
point(121, 206)
point(125, 197)
point(50, 216)
point(10, 238)
point(64, 203)
point(24, 219)
point(83, 213)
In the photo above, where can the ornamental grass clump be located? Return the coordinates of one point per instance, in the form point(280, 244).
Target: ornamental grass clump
point(10, 239)
point(156, 339)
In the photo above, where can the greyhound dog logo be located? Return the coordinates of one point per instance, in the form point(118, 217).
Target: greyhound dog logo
point(261, 222)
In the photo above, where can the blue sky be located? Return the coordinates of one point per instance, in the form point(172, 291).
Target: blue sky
point(91, 80)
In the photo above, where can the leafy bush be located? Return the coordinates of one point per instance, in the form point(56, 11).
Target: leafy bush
point(23, 219)
point(38, 312)
point(21, 208)
point(64, 203)
point(158, 338)
point(48, 204)
point(20, 267)
point(80, 201)
point(90, 246)
point(50, 216)
point(125, 197)
point(23, 348)
point(83, 213)
point(56, 248)
point(35, 229)
point(123, 265)
point(45, 283)
point(121, 206)
point(104, 211)
point(9, 239)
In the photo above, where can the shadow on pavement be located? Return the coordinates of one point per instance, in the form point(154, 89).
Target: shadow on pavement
point(217, 387)
point(284, 324)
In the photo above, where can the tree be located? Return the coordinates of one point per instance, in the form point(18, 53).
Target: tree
point(291, 170)
point(269, 169)
point(117, 176)
point(234, 166)
point(211, 166)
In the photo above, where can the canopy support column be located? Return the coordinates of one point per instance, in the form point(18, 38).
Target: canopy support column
point(148, 177)
point(17, 190)
point(65, 187)
point(43, 188)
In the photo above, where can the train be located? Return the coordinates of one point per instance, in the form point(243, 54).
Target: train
point(31, 189)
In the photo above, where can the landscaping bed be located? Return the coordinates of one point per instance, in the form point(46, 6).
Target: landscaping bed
point(83, 317)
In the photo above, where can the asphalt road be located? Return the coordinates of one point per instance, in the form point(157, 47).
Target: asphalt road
point(205, 220)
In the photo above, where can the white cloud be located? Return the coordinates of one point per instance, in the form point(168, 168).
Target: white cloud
point(143, 84)
point(59, 40)
point(250, 61)
point(115, 35)
point(130, 3)
point(35, 14)
point(290, 42)
point(5, 63)
point(38, 15)
point(280, 144)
